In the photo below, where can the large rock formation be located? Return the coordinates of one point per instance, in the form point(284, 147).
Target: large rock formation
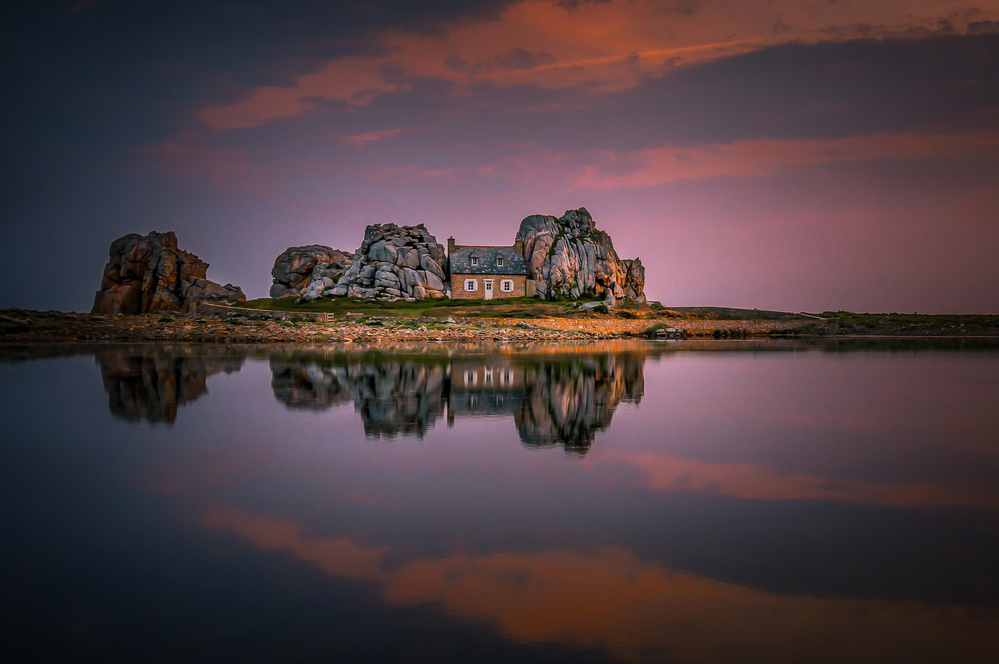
point(395, 262)
point(149, 273)
point(308, 270)
point(568, 256)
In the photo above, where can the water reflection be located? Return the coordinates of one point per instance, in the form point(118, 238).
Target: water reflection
point(150, 383)
point(556, 398)
point(775, 506)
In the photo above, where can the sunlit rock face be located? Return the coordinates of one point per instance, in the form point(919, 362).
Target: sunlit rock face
point(307, 271)
point(568, 256)
point(567, 403)
point(393, 263)
point(150, 273)
point(392, 397)
point(150, 384)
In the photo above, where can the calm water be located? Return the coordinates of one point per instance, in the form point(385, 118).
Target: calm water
point(691, 502)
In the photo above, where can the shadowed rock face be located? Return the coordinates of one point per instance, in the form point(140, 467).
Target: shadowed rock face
point(308, 270)
point(150, 384)
point(568, 256)
point(395, 262)
point(149, 273)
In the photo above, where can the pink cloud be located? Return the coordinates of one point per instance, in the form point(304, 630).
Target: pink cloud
point(359, 140)
point(656, 166)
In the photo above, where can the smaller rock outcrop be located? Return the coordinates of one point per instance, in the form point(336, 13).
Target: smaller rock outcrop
point(150, 273)
point(395, 262)
point(308, 270)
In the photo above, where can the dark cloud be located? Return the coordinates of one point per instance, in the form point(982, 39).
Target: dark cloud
point(457, 63)
point(513, 60)
point(574, 4)
point(982, 27)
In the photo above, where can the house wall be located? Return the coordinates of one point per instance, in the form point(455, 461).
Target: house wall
point(458, 291)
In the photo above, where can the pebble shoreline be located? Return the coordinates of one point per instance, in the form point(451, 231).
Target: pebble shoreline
point(60, 327)
point(21, 326)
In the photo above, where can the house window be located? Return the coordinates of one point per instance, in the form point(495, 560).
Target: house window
point(499, 262)
point(506, 285)
point(471, 285)
point(475, 261)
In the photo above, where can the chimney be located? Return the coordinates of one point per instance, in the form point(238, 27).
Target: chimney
point(450, 246)
point(519, 244)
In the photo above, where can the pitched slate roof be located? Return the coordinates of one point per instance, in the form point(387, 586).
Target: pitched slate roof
point(461, 260)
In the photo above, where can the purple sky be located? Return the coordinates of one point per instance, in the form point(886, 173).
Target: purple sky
point(797, 155)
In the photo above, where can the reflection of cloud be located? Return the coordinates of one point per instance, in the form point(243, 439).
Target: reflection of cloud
point(638, 611)
point(757, 482)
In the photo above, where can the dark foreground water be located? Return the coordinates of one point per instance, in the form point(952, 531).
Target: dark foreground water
point(686, 502)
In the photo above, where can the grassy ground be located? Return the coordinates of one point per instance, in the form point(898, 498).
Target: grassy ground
point(514, 307)
point(906, 322)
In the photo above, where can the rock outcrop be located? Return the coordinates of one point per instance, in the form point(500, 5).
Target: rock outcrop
point(149, 273)
point(393, 263)
point(308, 270)
point(568, 256)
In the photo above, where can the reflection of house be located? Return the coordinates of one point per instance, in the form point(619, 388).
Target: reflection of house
point(481, 272)
point(485, 388)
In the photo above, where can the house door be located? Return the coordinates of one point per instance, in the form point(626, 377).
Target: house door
point(489, 289)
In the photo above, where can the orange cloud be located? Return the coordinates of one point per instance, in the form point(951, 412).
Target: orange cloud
point(656, 166)
point(638, 611)
point(605, 46)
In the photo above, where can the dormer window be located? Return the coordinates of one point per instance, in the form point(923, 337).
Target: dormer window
point(475, 261)
point(499, 262)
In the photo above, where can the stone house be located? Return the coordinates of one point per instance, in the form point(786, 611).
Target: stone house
point(484, 273)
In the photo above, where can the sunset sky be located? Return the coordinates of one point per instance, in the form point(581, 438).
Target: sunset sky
point(783, 154)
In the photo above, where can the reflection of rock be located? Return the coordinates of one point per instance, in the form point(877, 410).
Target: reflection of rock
point(151, 383)
point(392, 397)
point(567, 403)
point(555, 400)
point(306, 386)
point(149, 273)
